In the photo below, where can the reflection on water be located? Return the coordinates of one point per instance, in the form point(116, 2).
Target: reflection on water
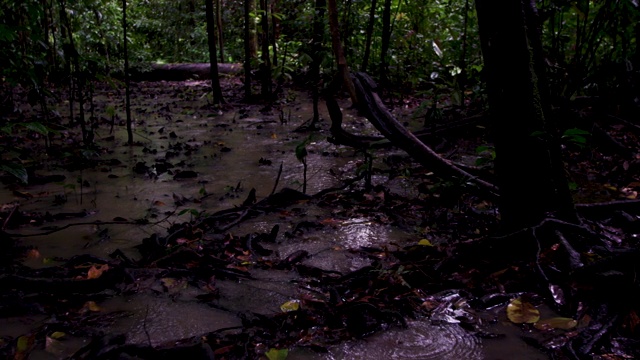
point(164, 319)
point(420, 340)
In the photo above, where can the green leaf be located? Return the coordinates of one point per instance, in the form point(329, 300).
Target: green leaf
point(37, 127)
point(301, 151)
point(17, 170)
point(277, 354)
point(575, 131)
point(556, 323)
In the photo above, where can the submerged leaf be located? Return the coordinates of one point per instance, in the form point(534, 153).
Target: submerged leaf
point(519, 312)
point(292, 305)
point(277, 354)
point(556, 323)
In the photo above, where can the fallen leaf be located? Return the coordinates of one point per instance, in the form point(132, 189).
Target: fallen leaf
point(91, 306)
point(424, 242)
point(277, 354)
point(293, 305)
point(556, 323)
point(520, 312)
point(96, 271)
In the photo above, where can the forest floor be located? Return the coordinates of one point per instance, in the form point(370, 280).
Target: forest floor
point(566, 296)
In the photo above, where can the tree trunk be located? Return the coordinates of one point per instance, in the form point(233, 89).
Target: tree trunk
point(318, 34)
point(369, 35)
point(215, 79)
point(248, 54)
point(127, 86)
point(253, 43)
point(265, 66)
point(532, 185)
point(343, 68)
point(275, 26)
point(384, 44)
point(219, 28)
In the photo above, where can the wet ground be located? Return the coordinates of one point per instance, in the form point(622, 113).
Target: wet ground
point(222, 154)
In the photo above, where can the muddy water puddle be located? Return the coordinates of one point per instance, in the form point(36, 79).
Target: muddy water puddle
point(229, 153)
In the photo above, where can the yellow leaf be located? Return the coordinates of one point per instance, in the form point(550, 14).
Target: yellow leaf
point(96, 271)
point(519, 312)
point(57, 335)
point(274, 136)
point(91, 306)
point(425, 242)
point(23, 344)
point(292, 305)
point(277, 354)
point(556, 323)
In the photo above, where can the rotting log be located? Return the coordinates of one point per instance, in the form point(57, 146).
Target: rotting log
point(377, 113)
point(181, 72)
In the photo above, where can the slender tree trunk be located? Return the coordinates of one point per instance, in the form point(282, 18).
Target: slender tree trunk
point(219, 27)
point(318, 35)
point(265, 66)
point(343, 68)
point(369, 35)
point(253, 29)
point(275, 26)
point(77, 73)
point(384, 44)
point(248, 55)
point(531, 186)
point(67, 57)
point(211, 37)
point(127, 82)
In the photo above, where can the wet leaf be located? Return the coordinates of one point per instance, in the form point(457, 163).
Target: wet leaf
point(277, 354)
point(293, 305)
point(96, 271)
point(23, 343)
point(519, 312)
point(91, 306)
point(556, 323)
point(425, 242)
point(57, 335)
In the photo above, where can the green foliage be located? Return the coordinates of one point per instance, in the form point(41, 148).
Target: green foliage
point(16, 170)
point(576, 136)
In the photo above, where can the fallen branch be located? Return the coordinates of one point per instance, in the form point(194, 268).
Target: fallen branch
point(377, 113)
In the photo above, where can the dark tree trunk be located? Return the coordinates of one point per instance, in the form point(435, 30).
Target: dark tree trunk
point(384, 44)
point(318, 35)
point(275, 26)
point(343, 68)
point(127, 84)
point(530, 176)
point(215, 79)
point(77, 74)
point(265, 66)
point(369, 35)
point(219, 28)
point(248, 55)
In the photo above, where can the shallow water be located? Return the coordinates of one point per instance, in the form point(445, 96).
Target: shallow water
point(224, 151)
